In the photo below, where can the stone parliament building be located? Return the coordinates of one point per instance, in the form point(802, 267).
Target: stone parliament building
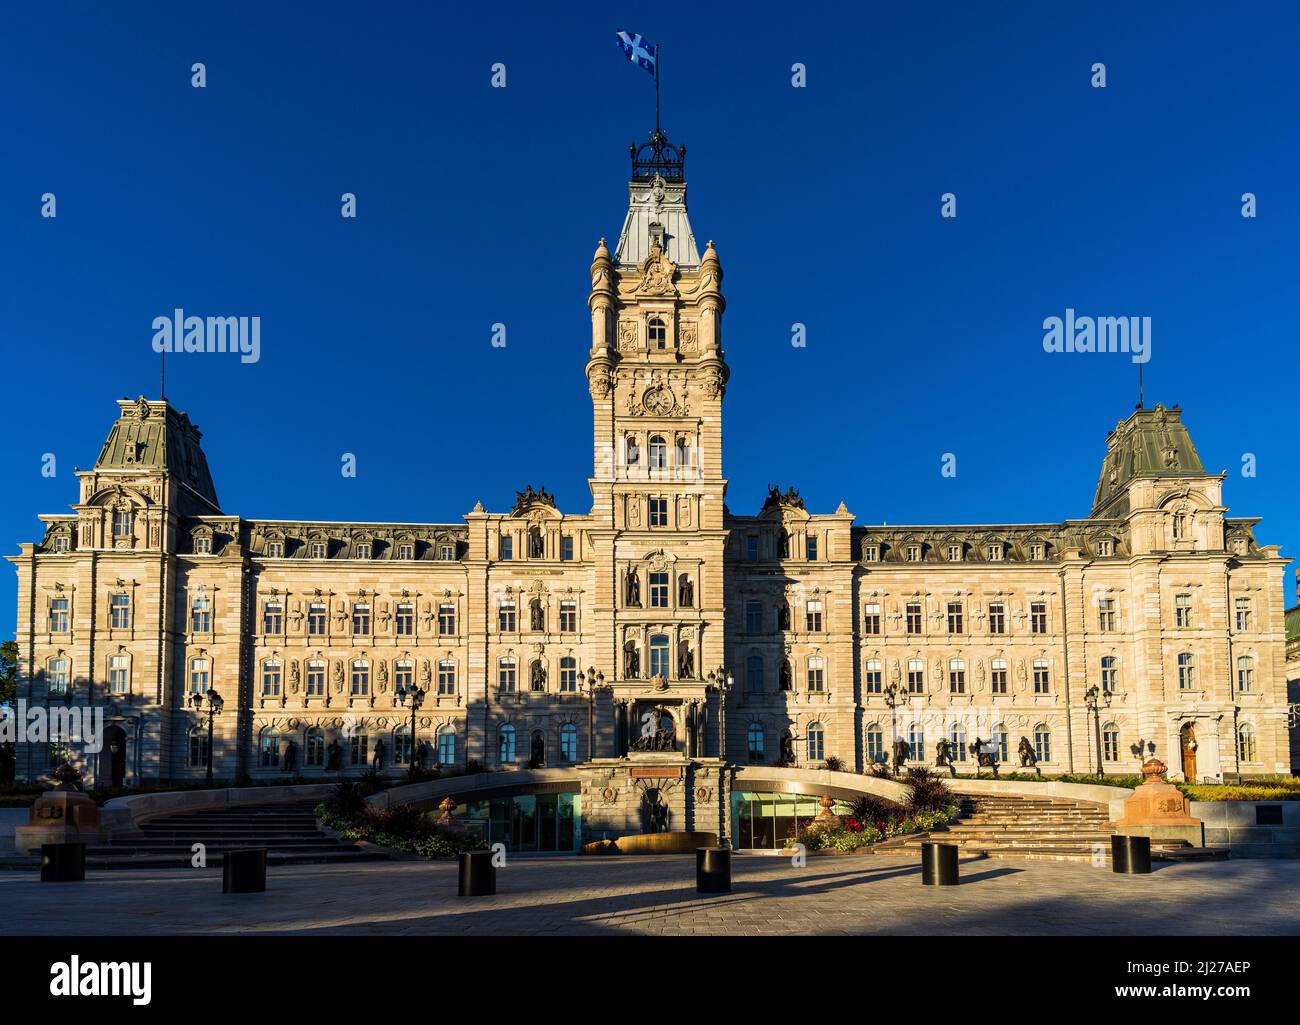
point(660, 624)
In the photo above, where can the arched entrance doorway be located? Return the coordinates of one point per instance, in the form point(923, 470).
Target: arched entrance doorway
point(112, 759)
point(1187, 744)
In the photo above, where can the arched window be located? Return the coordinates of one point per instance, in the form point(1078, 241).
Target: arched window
point(271, 679)
point(446, 746)
point(1110, 742)
point(1109, 674)
point(754, 674)
point(957, 742)
point(916, 742)
point(756, 742)
point(402, 745)
point(58, 674)
point(659, 662)
point(314, 743)
point(875, 743)
point(658, 452)
point(359, 746)
point(1186, 671)
point(1245, 674)
point(568, 743)
point(1042, 743)
point(1246, 748)
point(1000, 748)
point(506, 745)
point(198, 747)
point(657, 333)
point(269, 748)
point(816, 742)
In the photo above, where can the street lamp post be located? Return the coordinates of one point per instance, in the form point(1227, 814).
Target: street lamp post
point(416, 694)
point(891, 699)
point(1094, 698)
point(591, 681)
point(215, 705)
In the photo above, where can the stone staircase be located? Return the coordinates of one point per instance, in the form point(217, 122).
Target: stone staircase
point(288, 831)
point(1036, 828)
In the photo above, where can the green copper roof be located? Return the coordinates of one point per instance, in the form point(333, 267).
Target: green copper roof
point(151, 435)
point(1293, 624)
point(1150, 443)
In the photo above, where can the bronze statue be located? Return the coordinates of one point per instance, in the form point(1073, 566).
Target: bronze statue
point(290, 756)
point(901, 753)
point(537, 679)
point(1026, 751)
point(334, 756)
point(942, 752)
point(685, 663)
point(536, 618)
point(538, 756)
point(633, 588)
point(631, 661)
point(536, 547)
point(685, 592)
point(381, 753)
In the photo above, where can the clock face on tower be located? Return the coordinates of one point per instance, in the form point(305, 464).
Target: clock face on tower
point(659, 400)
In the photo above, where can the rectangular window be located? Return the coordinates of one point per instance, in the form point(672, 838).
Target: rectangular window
point(1243, 613)
point(315, 679)
point(751, 548)
point(998, 675)
point(957, 676)
point(361, 619)
point(272, 618)
point(658, 512)
point(566, 548)
point(568, 675)
point(119, 611)
point(360, 678)
point(914, 617)
point(203, 545)
point(316, 619)
point(816, 674)
point(659, 590)
point(119, 671)
point(446, 619)
point(447, 553)
point(997, 618)
point(506, 617)
point(753, 617)
point(874, 677)
point(1105, 548)
point(446, 678)
point(122, 523)
point(405, 619)
point(506, 548)
point(568, 617)
point(871, 620)
point(813, 616)
point(406, 552)
point(318, 549)
point(812, 548)
point(954, 553)
point(754, 674)
point(59, 615)
point(993, 553)
point(1106, 615)
point(956, 620)
point(1041, 677)
point(275, 549)
point(507, 675)
point(270, 679)
point(913, 553)
point(58, 677)
point(915, 676)
point(201, 616)
point(200, 676)
point(871, 553)
point(61, 543)
point(1038, 552)
point(1183, 610)
point(1038, 617)
point(363, 550)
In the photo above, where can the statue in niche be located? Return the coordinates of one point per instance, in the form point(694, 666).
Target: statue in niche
point(536, 545)
point(537, 756)
point(631, 661)
point(784, 676)
point(787, 749)
point(655, 811)
point(633, 452)
point(633, 588)
point(338, 677)
point(536, 617)
point(290, 756)
point(334, 755)
point(685, 592)
point(293, 675)
point(537, 676)
point(783, 616)
point(685, 662)
point(381, 753)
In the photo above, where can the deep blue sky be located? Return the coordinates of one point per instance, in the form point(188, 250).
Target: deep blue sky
point(479, 205)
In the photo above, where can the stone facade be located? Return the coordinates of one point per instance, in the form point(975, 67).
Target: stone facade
point(658, 627)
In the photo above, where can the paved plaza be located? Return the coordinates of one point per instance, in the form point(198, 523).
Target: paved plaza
point(848, 895)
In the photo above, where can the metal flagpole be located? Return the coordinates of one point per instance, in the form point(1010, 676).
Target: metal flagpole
point(162, 375)
point(656, 88)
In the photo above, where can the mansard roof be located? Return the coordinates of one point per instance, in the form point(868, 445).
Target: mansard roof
point(1150, 443)
point(152, 434)
point(653, 207)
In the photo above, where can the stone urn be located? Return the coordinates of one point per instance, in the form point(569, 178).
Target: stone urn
point(826, 816)
point(62, 815)
point(1159, 810)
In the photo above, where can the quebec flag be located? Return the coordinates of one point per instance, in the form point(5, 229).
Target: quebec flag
point(637, 49)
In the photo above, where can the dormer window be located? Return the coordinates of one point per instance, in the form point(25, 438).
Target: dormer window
point(954, 553)
point(447, 553)
point(993, 552)
point(1105, 548)
point(913, 553)
point(657, 333)
point(406, 551)
point(275, 549)
point(122, 523)
point(318, 549)
point(61, 543)
point(203, 545)
point(363, 550)
point(871, 553)
point(1037, 551)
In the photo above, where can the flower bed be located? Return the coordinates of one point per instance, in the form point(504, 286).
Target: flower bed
point(402, 828)
point(930, 805)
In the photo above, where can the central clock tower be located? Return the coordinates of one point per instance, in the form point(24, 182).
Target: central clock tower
point(657, 376)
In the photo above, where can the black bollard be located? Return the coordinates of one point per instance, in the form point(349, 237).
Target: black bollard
point(1130, 855)
point(712, 870)
point(939, 864)
point(63, 862)
point(478, 876)
point(244, 870)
